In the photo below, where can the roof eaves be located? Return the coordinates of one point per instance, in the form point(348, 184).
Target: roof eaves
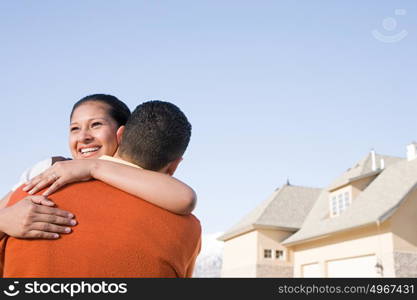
point(353, 179)
point(322, 236)
point(227, 236)
point(285, 228)
point(376, 172)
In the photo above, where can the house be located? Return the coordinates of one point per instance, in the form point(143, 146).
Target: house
point(253, 247)
point(364, 224)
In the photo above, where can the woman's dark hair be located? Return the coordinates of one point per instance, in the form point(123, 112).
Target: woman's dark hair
point(118, 111)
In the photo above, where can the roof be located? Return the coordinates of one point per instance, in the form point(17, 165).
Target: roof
point(363, 168)
point(285, 209)
point(375, 204)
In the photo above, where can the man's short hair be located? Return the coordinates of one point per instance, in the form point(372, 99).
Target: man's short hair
point(157, 133)
point(118, 110)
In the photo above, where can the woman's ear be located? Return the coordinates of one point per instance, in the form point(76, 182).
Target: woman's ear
point(119, 134)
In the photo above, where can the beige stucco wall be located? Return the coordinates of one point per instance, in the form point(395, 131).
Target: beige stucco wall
point(243, 256)
point(404, 227)
point(240, 256)
point(359, 185)
point(271, 239)
point(356, 243)
point(404, 224)
point(272, 267)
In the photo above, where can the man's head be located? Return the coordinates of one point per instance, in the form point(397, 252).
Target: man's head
point(155, 137)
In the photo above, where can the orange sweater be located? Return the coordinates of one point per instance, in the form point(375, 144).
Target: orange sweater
point(117, 235)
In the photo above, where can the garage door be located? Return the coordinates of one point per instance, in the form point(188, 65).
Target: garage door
point(363, 266)
point(311, 270)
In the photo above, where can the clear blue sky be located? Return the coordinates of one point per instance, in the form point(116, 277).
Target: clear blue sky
point(273, 89)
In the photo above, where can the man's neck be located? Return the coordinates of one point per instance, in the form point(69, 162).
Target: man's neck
point(119, 159)
point(118, 156)
point(164, 170)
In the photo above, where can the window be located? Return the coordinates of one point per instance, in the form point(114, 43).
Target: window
point(347, 200)
point(339, 203)
point(279, 254)
point(334, 205)
point(267, 253)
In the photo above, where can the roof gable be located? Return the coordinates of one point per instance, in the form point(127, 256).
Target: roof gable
point(363, 168)
point(286, 208)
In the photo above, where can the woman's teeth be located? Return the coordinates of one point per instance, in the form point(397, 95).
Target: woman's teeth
point(88, 150)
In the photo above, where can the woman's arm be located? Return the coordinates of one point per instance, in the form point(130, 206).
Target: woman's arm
point(157, 188)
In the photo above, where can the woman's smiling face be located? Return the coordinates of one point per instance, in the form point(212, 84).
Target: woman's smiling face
point(92, 131)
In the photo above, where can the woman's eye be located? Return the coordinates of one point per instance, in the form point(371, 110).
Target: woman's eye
point(74, 129)
point(95, 124)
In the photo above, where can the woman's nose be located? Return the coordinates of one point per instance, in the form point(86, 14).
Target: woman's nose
point(85, 136)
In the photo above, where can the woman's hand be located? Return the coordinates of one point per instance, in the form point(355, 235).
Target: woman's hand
point(60, 174)
point(35, 217)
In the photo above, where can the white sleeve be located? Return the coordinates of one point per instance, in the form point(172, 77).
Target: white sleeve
point(31, 172)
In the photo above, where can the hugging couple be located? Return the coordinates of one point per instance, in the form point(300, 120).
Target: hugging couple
point(114, 210)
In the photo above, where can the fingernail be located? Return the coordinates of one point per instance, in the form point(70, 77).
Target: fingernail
point(25, 188)
point(56, 235)
point(67, 229)
point(70, 215)
point(73, 222)
point(30, 192)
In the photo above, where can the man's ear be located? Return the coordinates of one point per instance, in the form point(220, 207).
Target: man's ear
point(119, 134)
point(172, 166)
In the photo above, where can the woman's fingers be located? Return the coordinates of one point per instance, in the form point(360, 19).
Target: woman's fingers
point(53, 219)
point(46, 181)
point(34, 181)
point(47, 227)
point(59, 175)
point(35, 217)
point(37, 234)
point(41, 181)
point(54, 187)
point(52, 211)
point(41, 200)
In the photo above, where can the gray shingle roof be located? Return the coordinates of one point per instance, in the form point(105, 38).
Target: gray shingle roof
point(375, 204)
point(286, 208)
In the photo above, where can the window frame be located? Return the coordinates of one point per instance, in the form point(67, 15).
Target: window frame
point(279, 257)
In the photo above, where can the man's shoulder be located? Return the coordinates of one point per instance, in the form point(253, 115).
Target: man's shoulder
point(189, 226)
point(195, 221)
